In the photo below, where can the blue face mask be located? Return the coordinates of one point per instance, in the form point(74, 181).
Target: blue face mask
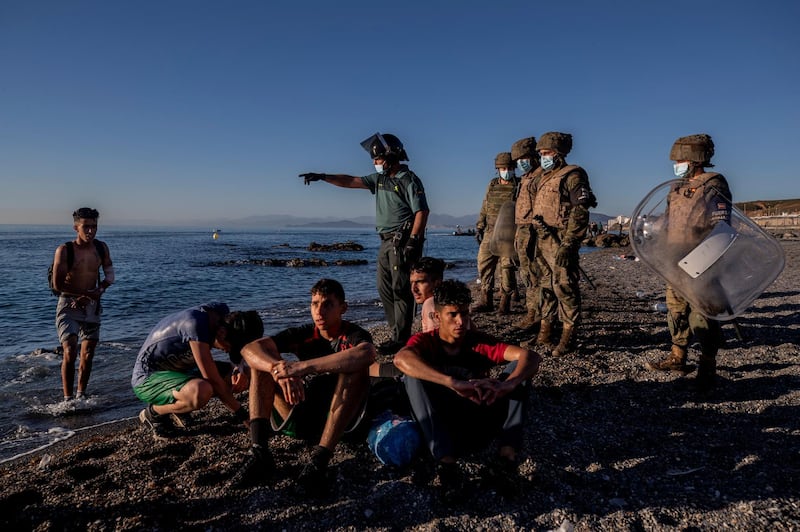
point(681, 169)
point(524, 165)
point(547, 161)
point(379, 168)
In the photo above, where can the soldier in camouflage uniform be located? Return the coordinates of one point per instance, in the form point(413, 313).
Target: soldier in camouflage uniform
point(500, 191)
point(694, 206)
point(561, 211)
point(523, 152)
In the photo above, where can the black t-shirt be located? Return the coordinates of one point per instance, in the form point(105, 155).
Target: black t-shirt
point(306, 342)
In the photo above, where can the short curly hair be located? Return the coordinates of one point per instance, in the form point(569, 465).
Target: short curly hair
point(85, 212)
point(431, 266)
point(451, 293)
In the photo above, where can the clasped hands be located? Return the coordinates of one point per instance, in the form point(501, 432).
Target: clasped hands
point(482, 391)
point(289, 377)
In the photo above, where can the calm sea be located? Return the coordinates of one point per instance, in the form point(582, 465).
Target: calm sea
point(159, 272)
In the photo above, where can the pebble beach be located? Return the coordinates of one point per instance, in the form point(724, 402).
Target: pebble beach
point(609, 445)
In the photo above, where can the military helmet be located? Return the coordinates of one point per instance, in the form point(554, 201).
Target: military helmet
point(524, 148)
point(694, 148)
point(558, 142)
point(503, 160)
point(387, 146)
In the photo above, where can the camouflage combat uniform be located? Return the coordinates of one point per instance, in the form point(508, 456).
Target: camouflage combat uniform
point(525, 242)
point(693, 208)
point(498, 193)
point(563, 198)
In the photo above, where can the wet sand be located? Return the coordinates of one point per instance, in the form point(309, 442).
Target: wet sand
point(608, 444)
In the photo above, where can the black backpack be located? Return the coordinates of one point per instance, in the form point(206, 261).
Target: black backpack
point(101, 250)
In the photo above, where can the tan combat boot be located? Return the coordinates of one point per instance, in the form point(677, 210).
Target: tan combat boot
point(505, 304)
point(530, 321)
point(486, 303)
point(675, 361)
point(545, 330)
point(565, 344)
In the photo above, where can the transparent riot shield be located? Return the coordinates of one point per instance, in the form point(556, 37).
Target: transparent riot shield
point(719, 270)
point(501, 243)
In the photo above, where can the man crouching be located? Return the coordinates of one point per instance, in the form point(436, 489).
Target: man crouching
point(320, 390)
point(459, 408)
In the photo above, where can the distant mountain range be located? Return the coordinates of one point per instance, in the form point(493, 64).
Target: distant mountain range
point(435, 221)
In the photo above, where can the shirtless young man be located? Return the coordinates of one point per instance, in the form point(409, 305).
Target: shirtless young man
point(78, 310)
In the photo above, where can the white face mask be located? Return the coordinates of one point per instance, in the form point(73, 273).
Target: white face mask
point(681, 169)
point(506, 174)
point(379, 168)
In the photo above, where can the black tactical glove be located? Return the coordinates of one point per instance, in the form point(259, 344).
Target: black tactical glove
point(308, 178)
point(562, 256)
point(413, 249)
point(479, 235)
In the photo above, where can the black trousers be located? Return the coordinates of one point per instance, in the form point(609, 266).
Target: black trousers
point(453, 426)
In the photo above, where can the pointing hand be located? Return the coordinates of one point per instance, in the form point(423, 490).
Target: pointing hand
point(308, 178)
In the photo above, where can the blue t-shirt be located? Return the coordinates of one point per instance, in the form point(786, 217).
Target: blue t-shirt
point(167, 346)
point(397, 198)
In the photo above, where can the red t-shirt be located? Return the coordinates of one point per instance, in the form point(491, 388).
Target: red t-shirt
point(479, 351)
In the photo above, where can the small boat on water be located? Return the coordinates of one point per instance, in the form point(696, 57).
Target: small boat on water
point(461, 232)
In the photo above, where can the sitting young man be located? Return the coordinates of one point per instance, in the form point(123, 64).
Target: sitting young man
point(460, 408)
point(174, 371)
point(319, 392)
point(426, 274)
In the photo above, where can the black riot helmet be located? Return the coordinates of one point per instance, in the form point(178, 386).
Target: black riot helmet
point(385, 146)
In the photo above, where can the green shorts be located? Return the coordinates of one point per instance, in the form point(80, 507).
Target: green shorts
point(157, 388)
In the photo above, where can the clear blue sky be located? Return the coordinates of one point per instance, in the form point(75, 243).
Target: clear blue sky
point(193, 110)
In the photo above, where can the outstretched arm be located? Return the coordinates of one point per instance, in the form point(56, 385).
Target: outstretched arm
point(340, 180)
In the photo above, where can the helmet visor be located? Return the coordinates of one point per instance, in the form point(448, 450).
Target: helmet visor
point(375, 145)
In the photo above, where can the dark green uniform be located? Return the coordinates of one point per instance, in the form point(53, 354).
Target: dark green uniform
point(397, 200)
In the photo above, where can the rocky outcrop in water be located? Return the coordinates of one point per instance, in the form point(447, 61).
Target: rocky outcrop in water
point(292, 263)
point(336, 246)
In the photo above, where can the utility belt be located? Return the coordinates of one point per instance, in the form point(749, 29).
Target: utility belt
point(399, 237)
